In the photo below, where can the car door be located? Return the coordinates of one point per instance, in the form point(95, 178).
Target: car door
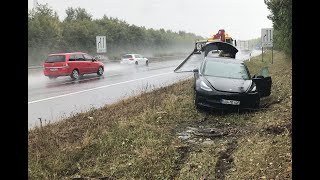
point(80, 63)
point(91, 65)
point(139, 58)
point(144, 59)
point(95, 63)
point(263, 82)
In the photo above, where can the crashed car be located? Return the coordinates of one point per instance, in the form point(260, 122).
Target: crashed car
point(226, 83)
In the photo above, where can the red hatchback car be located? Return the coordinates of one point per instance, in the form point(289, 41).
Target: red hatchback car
point(71, 64)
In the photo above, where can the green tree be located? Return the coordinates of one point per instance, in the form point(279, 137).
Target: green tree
point(281, 16)
point(44, 32)
point(77, 32)
point(77, 14)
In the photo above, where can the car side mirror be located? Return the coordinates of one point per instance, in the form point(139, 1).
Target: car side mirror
point(196, 71)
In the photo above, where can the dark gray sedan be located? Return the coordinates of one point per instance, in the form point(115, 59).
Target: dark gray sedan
point(226, 83)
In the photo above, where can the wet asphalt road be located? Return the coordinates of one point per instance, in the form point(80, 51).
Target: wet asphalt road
point(53, 100)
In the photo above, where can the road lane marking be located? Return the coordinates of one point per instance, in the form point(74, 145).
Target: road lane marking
point(100, 87)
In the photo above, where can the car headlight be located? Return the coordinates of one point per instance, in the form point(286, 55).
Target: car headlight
point(204, 86)
point(253, 88)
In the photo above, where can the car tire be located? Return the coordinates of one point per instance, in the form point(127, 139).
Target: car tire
point(136, 63)
point(147, 63)
point(100, 71)
point(196, 102)
point(75, 74)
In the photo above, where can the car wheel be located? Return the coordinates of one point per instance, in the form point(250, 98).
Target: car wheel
point(100, 71)
point(196, 102)
point(75, 74)
point(147, 63)
point(52, 77)
point(136, 62)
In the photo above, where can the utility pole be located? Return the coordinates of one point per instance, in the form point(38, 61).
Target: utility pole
point(262, 54)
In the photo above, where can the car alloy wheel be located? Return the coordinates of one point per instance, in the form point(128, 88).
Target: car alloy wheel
point(75, 74)
point(100, 71)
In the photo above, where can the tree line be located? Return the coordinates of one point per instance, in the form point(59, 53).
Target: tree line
point(78, 30)
point(281, 16)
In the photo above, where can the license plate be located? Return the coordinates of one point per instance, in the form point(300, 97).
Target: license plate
point(232, 102)
point(53, 69)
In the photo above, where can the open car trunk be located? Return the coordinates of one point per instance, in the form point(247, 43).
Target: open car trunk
point(202, 50)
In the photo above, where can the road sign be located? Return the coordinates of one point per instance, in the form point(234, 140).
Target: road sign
point(101, 44)
point(267, 37)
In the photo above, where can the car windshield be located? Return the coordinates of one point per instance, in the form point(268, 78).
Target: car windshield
point(127, 56)
point(226, 70)
point(56, 58)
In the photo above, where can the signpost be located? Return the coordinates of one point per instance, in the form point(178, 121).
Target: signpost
point(267, 39)
point(101, 44)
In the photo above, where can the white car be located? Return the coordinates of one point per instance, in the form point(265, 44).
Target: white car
point(134, 59)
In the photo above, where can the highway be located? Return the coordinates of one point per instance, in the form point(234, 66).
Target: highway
point(53, 100)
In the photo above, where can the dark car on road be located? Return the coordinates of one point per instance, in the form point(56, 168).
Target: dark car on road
point(226, 83)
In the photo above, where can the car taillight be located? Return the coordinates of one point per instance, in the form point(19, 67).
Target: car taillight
point(130, 58)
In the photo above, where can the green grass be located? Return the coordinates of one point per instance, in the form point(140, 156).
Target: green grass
point(136, 138)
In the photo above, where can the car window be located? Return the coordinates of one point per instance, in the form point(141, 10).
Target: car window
point(79, 57)
point(87, 57)
point(127, 56)
point(72, 58)
point(264, 72)
point(56, 58)
point(138, 56)
point(226, 70)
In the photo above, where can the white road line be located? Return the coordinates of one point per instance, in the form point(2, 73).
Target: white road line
point(100, 87)
point(73, 81)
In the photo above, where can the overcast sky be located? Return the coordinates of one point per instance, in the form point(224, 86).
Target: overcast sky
point(242, 19)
